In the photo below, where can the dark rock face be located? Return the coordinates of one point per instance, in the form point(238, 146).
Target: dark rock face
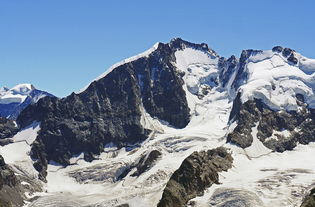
point(146, 162)
point(292, 59)
point(12, 192)
point(229, 67)
point(277, 49)
point(7, 176)
point(109, 109)
point(8, 181)
point(7, 128)
point(299, 124)
point(290, 55)
point(197, 172)
point(247, 115)
point(309, 201)
point(287, 52)
point(13, 110)
point(161, 85)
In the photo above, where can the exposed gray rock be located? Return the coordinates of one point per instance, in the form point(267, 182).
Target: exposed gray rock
point(309, 200)
point(300, 124)
point(278, 49)
point(146, 162)
point(246, 115)
point(292, 59)
point(12, 191)
point(228, 66)
point(7, 129)
point(287, 52)
point(197, 172)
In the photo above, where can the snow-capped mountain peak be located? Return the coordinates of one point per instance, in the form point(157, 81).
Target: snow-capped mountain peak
point(25, 88)
point(276, 76)
point(13, 100)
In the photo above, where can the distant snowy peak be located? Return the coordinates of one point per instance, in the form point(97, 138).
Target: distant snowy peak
point(17, 94)
point(25, 88)
point(14, 100)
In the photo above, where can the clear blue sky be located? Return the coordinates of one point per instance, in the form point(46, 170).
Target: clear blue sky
point(61, 45)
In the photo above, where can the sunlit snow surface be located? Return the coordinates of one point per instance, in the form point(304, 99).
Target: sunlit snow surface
point(17, 94)
point(17, 153)
point(263, 177)
point(276, 81)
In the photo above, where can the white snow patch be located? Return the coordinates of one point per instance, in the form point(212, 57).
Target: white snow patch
point(257, 148)
point(28, 134)
point(17, 153)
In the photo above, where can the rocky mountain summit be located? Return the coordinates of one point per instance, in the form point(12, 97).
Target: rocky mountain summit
point(177, 125)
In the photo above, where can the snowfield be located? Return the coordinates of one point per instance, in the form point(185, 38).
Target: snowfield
point(274, 80)
point(261, 177)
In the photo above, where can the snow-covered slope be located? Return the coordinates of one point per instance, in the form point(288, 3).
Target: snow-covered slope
point(259, 177)
point(14, 100)
point(272, 77)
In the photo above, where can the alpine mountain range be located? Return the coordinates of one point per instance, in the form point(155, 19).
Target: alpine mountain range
point(177, 125)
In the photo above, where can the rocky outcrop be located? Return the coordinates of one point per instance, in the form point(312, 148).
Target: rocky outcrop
point(246, 116)
point(309, 200)
point(7, 176)
point(278, 130)
point(228, 67)
point(287, 53)
point(197, 172)
point(146, 162)
point(14, 186)
point(109, 110)
point(7, 129)
point(277, 49)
